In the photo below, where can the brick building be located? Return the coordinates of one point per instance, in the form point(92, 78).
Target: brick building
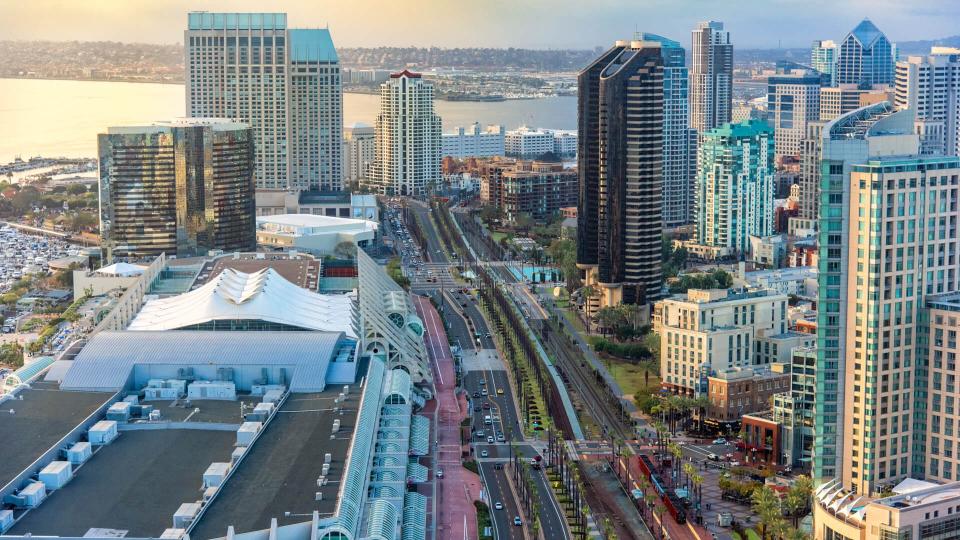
point(535, 188)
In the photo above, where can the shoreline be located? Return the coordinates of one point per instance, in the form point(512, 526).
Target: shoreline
point(180, 83)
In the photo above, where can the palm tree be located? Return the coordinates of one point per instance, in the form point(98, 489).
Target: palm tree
point(660, 509)
point(766, 505)
point(701, 404)
point(797, 501)
point(689, 470)
point(697, 480)
point(677, 453)
point(779, 528)
point(649, 500)
point(795, 534)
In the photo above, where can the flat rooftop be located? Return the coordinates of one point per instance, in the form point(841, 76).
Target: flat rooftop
point(134, 484)
point(280, 473)
point(200, 411)
point(39, 420)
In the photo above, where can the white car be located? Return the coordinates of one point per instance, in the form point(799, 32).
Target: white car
point(498, 505)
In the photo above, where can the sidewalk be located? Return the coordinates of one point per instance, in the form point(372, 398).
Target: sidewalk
point(456, 491)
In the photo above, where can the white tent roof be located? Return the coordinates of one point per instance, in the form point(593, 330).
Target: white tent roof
point(121, 269)
point(263, 295)
point(909, 485)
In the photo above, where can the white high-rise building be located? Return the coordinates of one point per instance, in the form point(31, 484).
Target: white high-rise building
point(359, 152)
point(284, 82)
point(474, 142)
point(792, 102)
point(407, 137)
point(930, 86)
point(711, 76)
point(823, 58)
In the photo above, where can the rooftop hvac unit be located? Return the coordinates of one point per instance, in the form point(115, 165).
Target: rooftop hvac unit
point(33, 494)
point(6, 520)
point(79, 453)
point(247, 432)
point(119, 411)
point(103, 432)
point(325, 470)
point(186, 373)
point(346, 390)
point(236, 455)
point(185, 515)
point(209, 493)
point(319, 496)
point(155, 415)
point(133, 400)
point(328, 457)
point(336, 425)
point(173, 534)
point(341, 397)
point(215, 474)
point(56, 474)
point(272, 396)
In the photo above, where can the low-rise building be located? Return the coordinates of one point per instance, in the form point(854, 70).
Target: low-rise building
point(537, 189)
point(341, 204)
point(317, 235)
point(800, 281)
point(527, 142)
point(735, 392)
point(473, 142)
point(777, 348)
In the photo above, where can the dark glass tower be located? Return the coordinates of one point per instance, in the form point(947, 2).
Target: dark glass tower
point(181, 188)
point(621, 174)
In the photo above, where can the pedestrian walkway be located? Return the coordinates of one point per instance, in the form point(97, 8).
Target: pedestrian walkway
point(456, 491)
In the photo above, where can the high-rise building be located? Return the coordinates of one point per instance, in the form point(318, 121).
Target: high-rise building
point(181, 188)
point(408, 137)
point(942, 437)
point(866, 57)
point(849, 140)
point(810, 174)
point(679, 140)
point(735, 185)
point(284, 82)
point(359, 152)
point(473, 142)
point(839, 100)
point(620, 165)
point(902, 246)
point(823, 58)
point(711, 76)
point(930, 86)
point(793, 100)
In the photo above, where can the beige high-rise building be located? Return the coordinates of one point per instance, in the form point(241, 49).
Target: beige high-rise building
point(943, 400)
point(711, 76)
point(359, 152)
point(930, 86)
point(407, 137)
point(839, 100)
point(902, 245)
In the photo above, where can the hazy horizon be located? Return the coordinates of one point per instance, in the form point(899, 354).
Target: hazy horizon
point(536, 24)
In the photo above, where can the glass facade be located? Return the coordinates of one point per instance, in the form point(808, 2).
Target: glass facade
point(179, 189)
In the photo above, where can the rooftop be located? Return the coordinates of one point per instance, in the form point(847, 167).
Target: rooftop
point(263, 295)
point(217, 124)
point(280, 473)
point(201, 20)
point(312, 45)
point(301, 270)
point(310, 224)
point(134, 484)
point(39, 420)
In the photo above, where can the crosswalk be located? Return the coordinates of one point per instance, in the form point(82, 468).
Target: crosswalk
point(431, 276)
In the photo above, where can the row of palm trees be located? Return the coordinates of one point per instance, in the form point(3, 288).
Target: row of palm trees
point(673, 410)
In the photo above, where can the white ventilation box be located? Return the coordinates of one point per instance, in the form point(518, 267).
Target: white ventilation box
point(133, 400)
point(33, 494)
point(215, 474)
point(152, 393)
point(273, 395)
point(264, 407)
point(119, 411)
point(56, 474)
point(236, 455)
point(6, 520)
point(262, 389)
point(223, 390)
point(103, 432)
point(209, 493)
point(173, 534)
point(247, 432)
point(79, 453)
point(185, 515)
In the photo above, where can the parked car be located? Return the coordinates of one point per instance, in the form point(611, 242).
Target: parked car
point(721, 440)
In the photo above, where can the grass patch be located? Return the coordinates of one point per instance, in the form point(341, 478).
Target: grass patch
point(471, 465)
point(498, 236)
point(735, 536)
point(483, 519)
point(571, 315)
point(752, 534)
point(633, 378)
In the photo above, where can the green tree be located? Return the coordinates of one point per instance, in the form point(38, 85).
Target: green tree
point(797, 501)
point(345, 250)
point(766, 505)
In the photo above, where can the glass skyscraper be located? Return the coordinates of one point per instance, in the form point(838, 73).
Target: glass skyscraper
point(679, 140)
point(182, 188)
point(823, 58)
point(866, 57)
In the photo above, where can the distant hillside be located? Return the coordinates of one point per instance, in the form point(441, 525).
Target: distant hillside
point(920, 47)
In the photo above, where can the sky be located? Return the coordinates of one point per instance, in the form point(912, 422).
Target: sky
point(539, 24)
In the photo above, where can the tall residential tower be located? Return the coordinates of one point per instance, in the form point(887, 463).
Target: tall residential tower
point(284, 82)
point(711, 76)
point(823, 58)
point(407, 137)
point(621, 174)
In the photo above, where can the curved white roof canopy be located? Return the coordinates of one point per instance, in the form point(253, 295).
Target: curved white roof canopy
point(263, 295)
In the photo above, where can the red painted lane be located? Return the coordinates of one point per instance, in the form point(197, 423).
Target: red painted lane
point(459, 487)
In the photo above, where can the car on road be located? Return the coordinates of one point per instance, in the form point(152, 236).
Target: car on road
point(477, 409)
point(500, 437)
point(439, 473)
point(517, 521)
point(484, 453)
point(490, 439)
point(734, 463)
point(713, 457)
point(476, 394)
point(499, 391)
point(482, 381)
point(483, 392)
point(498, 505)
point(721, 440)
point(486, 405)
